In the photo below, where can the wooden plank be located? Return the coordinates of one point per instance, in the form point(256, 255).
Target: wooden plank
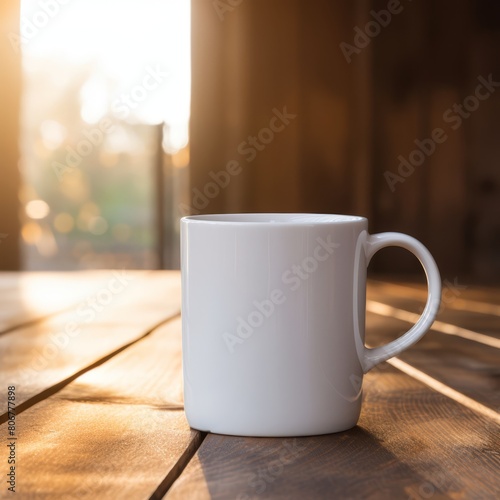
point(252, 468)
point(117, 431)
point(438, 325)
point(41, 356)
point(456, 308)
point(411, 442)
point(468, 367)
point(29, 297)
point(400, 117)
point(483, 200)
point(445, 390)
point(10, 104)
point(362, 145)
point(451, 286)
point(448, 165)
point(334, 140)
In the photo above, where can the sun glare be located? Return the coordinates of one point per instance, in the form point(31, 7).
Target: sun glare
point(137, 53)
point(106, 93)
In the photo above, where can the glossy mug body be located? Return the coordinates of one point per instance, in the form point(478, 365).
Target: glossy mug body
point(273, 309)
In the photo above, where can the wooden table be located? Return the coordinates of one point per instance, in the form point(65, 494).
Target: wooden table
point(95, 359)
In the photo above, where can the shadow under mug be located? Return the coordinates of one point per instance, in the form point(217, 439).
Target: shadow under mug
point(273, 320)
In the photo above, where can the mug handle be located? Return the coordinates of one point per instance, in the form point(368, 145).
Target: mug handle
point(374, 243)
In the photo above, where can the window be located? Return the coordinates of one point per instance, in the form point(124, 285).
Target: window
point(104, 131)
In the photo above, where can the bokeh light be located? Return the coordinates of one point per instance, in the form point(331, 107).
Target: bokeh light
point(37, 209)
point(101, 80)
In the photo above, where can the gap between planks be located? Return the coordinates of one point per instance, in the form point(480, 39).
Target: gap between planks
point(179, 467)
point(35, 321)
point(46, 393)
point(439, 326)
point(39, 319)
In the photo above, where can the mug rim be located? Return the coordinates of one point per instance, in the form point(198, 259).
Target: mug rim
point(273, 218)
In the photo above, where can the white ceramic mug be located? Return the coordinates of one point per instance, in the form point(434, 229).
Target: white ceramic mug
point(273, 315)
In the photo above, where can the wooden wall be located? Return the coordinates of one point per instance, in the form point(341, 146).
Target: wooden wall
point(354, 119)
point(429, 60)
point(10, 91)
point(266, 55)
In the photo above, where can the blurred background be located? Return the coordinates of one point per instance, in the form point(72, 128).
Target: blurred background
point(119, 117)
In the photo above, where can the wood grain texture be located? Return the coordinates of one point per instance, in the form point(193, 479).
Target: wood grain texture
point(411, 442)
point(38, 357)
point(472, 308)
point(400, 112)
point(29, 297)
point(115, 432)
point(469, 367)
point(104, 417)
point(464, 291)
